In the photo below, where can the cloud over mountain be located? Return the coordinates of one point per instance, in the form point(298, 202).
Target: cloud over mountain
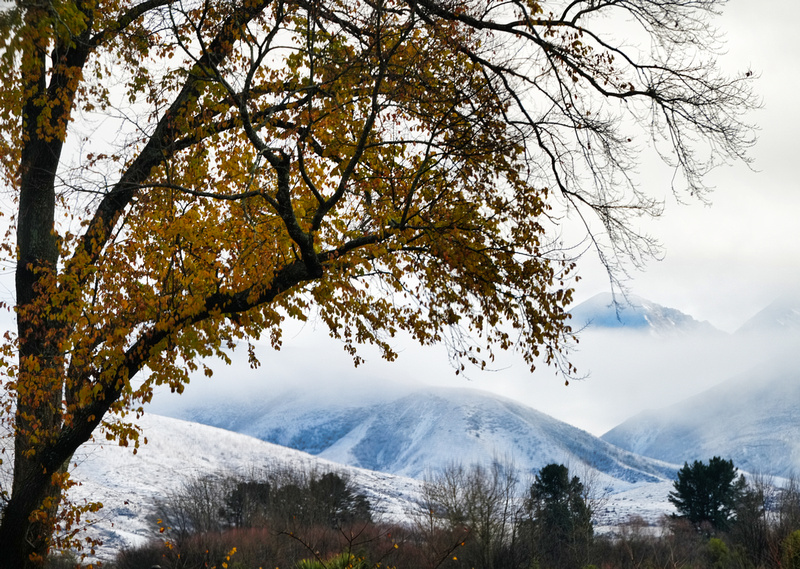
point(752, 419)
point(634, 313)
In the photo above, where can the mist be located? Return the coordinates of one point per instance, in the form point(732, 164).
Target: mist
point(626, 372)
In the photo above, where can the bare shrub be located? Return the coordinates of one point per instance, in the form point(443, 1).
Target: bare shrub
point(478, 509)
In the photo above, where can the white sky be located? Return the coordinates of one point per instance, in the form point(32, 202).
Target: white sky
point(726, 262)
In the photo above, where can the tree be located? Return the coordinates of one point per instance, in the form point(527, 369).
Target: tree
point(334, 501)
point(708, 493)
point(246, 503)
point(285, 499)
point(328, 500)
point(194, 508)
point(478, 507)
point(187, 174)
point(751, 531)
point(560, 518)
point(788, 507)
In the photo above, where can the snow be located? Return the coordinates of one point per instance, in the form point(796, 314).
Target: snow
point(178, 451)
point(782, 315)
point(413, 431)
point(648, 502)
point(751, 419)
point(635, 313)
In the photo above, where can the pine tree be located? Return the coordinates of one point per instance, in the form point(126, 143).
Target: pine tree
point(561, 518)
point(708, 493)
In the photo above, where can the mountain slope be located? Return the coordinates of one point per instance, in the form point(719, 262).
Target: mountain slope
point(177, 452)
point(781, 317)
point(752, 419)
point(413, 431)
point(635, 313)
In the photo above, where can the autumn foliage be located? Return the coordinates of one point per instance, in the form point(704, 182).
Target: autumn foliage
point(185, 175)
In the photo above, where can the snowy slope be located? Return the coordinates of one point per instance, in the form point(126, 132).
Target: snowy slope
point(416, 430)
point(782, 316)
point(178, 451)
point(753, 419)
point(635, 313)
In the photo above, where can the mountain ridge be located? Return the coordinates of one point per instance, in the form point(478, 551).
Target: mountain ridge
point(415, 431)
point(780, 316)
point(631, 312)
point(751, 419)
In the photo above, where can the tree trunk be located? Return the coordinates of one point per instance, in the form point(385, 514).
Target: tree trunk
point(24, 543)
point(27, 521)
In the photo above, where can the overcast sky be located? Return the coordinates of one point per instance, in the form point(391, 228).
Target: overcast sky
point(725, 262)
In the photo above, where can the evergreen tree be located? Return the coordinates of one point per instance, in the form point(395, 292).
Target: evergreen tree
point(708, 493)
point(560, 521)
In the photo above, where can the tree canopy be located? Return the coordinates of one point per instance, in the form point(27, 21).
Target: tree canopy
point(188, 174)
point(708, 493)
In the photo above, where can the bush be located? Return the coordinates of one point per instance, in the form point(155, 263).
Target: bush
point(790, 551)
point(718, 553)
point(341, 561)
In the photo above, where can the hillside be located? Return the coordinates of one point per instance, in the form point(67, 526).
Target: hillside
point(752, 419)
point(178, 452)
point(413, 431)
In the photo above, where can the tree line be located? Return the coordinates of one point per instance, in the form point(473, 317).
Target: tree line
point(481, 516)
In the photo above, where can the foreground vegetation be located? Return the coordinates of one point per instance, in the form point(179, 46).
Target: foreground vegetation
point(469, 518)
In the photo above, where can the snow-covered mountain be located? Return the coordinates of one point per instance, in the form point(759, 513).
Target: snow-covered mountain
point(414, 431)
point(753, 419)
point(411, 430)
point(782, 317)
point(635, 313)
